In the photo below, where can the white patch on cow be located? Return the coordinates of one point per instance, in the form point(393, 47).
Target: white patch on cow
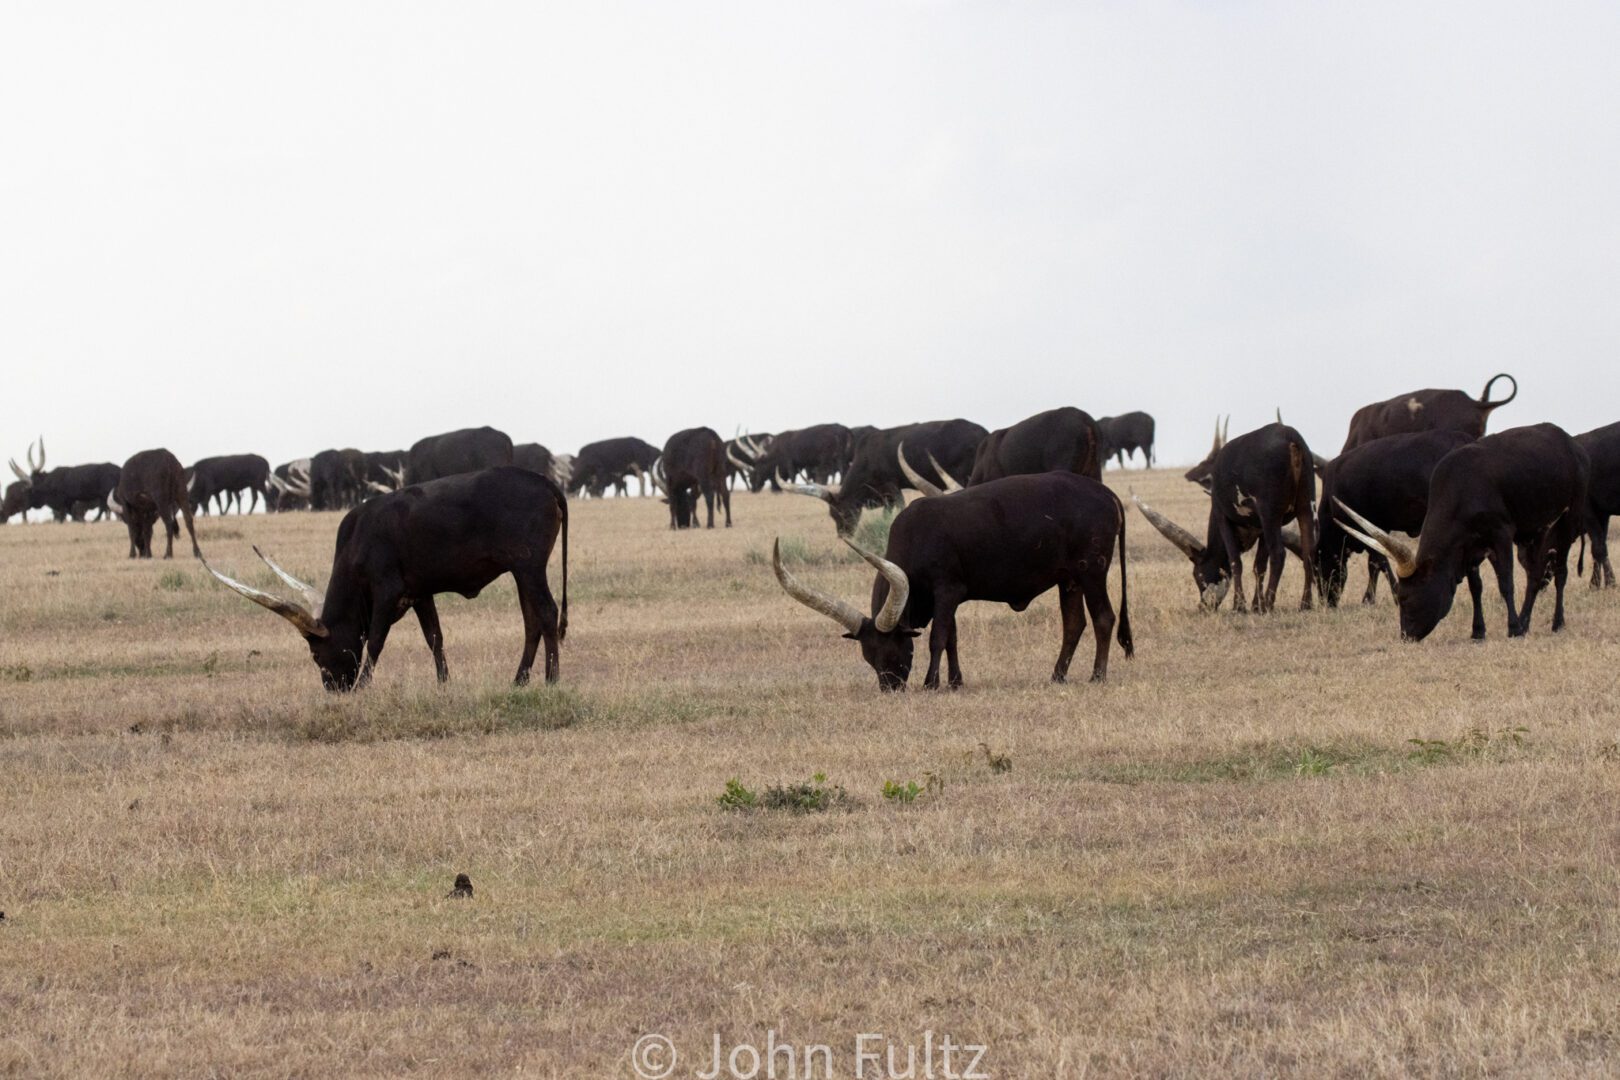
point(1237, 504)
point(1414, 406)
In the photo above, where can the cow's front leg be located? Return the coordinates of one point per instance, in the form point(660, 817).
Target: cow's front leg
point(427, 614)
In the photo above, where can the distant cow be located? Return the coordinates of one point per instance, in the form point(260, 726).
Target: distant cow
point(152, 487)
point(16, 500)
point(397, 551)
point(604, 464)
point(456, 452)
point(535, 458)
point(944, 448)
point(225, 478)
point(742, 457)
point(1124, 435)
point(289, 486)
point(1257, 482)
point(1388, 481)
point(384, 470)
point(693, 462)
point(68, 491)
point(337, 479)
point(1602, 446)
point(1006, 541)
point(1524, 488)
point(818, 452)
point(1063, 439)
point(1426, 410)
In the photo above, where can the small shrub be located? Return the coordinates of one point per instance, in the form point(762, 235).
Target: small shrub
point(173, 581)
point(795, 550)
point(904, 794)
point(1475, 743)
point(737, 797)
point(535, 708)
point(1312, 763)
point(809, 797)
point(17, 673)
point(999, 763)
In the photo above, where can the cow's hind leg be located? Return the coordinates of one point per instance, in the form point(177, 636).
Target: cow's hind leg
point(427, 613)
point(539, 620)
point(171, 529)
point(1071, 601)
point(1501, 557)
point(1102, 620)
point(1476, 593)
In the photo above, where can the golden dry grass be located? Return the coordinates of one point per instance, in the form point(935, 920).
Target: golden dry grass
point(1228, 860)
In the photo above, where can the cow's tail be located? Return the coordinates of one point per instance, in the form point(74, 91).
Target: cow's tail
point(1580, 560)
point(562, 509)
point(1122, 632)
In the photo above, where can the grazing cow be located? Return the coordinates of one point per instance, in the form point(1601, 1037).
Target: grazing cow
point(1257, 482)
point(743, 455)
point(456, 452)
point(397, 551)
point(384, 470)
point(693, 461)
point(337, 479)
point(1006, 542)
point(1387, 480)
point(69, 491)
point(1063, 439)
point(16, 500)
point(225, 478)
point(1602, 446)
point(1524, 487)
point(1124, 435)
point(152, 487)
point(599, 465)
point(289, 486)
point(875, 478)
point(535, 458)
point(1426, 410)
point(818, 452)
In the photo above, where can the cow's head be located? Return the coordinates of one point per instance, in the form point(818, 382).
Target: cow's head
point(337, 646)
point(1423, 588)
point(1203, 473)
point(886, 644)
point(35, 468)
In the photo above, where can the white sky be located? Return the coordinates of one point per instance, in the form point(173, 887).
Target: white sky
point(282, 227)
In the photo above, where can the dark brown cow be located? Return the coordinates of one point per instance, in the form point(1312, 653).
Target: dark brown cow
point(1006, 542)
point(1525, 488)
point(1602, 446)
point(1426, 410)
point(693, 462)
point(1257, 482)
point(397, 551)
point(152, 487)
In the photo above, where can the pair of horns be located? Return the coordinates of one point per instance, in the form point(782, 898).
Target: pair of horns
point(745, 466)
point(1191, 546)
point(305, 617)
point(921, 483)
point(824, 492)
point(1402, 555)
point(1221, 431)
point(33, 466)
point(844, 614)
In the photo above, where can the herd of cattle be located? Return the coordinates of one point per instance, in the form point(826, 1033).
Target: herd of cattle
point(458, 510)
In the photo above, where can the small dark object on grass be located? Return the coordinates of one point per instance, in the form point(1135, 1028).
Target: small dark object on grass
point(463, 887)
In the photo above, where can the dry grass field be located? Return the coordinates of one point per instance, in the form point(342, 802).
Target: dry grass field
point(1286, 844)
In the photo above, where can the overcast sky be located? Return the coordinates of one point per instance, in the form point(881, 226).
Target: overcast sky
point(282, 227)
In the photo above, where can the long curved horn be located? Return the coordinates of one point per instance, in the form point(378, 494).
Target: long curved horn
point(946, 478)
point(916, 478)
point(1279, 414)
point(817, 491)
point(41, 466)
point(1216, 445)
point(1186, 541)
point(384, 488)
point(315, 598)
point(899, 588)
point(1226, 430)
point(735, 460)
point(24, 477)
point(1485, 401)
point(304, 622)
point(750, 445)
point(835, 609)
point(1402, 556)
point(656, 471)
